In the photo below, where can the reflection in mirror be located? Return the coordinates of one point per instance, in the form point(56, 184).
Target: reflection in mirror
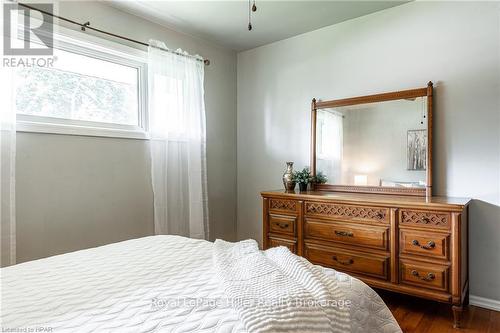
point(375, 144)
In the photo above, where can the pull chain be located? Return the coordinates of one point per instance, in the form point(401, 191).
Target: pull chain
point(251, 8)
point(423, 115)
point(249, 17)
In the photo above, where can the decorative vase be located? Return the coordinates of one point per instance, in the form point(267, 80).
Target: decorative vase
point(303, 187)
point(288, 177)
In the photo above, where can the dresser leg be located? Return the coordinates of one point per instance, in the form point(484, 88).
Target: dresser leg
point(457, 315)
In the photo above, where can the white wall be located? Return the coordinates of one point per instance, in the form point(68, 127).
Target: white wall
point(454, 44)
point(76, 192)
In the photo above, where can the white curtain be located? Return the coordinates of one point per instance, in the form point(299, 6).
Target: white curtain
point(330, 144)
point(7, 168)
point(177, 129)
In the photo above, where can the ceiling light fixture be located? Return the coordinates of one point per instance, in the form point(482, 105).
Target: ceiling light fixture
point(251, 8)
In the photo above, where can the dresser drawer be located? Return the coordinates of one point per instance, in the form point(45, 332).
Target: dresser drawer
point(429, 276)
point(282, 224)
point(347, 212)
point(290, 244)
point(425, 219)
point(283, 206)
point(351, 261)
point(348, 233)
point(428, 244)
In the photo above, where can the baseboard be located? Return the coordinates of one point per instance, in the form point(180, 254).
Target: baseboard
point(486, 303)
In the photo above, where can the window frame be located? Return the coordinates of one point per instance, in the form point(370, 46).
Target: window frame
point(83, 44)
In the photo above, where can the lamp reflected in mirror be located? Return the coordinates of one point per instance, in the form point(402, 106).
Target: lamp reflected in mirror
point(360, 180)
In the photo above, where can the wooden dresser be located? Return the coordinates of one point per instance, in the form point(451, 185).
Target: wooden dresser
point(412, 245)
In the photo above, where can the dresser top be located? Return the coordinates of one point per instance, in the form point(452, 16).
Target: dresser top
point(434, 201)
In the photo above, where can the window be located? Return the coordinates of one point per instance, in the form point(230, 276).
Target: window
point(89, 90)
point(79, 88)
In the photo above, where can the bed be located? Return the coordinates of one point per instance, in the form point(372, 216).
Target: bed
point(150, 284)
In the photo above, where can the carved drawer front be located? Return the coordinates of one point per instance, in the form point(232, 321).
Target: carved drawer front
point(428, 244)
point(350, 261)
point(425, 218)
point(282, 224)
point(347, 212)
point(425, 275)
point(283, 205)
point(348, 233)
point(290, 244)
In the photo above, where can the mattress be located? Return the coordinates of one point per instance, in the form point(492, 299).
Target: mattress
point(150, 284)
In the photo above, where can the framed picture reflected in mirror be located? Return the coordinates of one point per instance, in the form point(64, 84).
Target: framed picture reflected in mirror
point(417, 149)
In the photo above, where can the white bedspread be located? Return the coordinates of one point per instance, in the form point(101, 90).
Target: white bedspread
point(287, 292)
point(151, 284)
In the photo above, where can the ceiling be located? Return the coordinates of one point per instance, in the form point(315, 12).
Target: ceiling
point(225, 22)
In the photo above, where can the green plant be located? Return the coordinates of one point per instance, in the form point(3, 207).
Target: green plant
point(320, 178)
point(302, 177)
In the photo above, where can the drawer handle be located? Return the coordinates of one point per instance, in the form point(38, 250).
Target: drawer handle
point(344, 233)
point(380, 215)
point(429, 276)
point(282, 225)
point(430, 244)
point(343, 262)
point(426, 219)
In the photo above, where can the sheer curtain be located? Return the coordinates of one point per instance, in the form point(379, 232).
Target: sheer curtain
point(330, 143)
point(7, 168)
point(177, 128)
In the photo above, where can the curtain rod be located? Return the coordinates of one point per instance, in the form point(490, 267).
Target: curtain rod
point(86, 25)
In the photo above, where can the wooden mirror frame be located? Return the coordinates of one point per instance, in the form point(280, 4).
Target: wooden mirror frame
point(404, 94)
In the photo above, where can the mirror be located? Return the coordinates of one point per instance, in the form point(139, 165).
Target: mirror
point(374, 145)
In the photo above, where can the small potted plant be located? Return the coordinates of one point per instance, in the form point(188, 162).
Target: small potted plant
point(320, 178)
point(303, 178)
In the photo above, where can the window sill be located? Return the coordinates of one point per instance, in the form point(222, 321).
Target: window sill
point(59, 129)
